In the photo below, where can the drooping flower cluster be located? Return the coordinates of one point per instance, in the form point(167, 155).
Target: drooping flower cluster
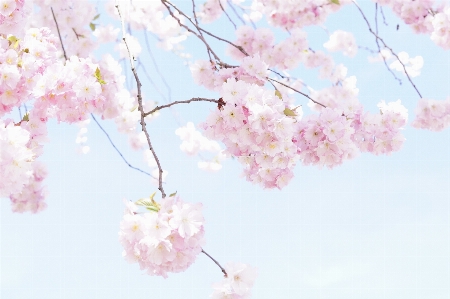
point(15, 158)
point(238, 283)
point(381, 133)
point(166, 239)
point(254, 127)
point(432, 115)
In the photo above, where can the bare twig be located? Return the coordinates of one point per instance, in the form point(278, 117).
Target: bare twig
point(235, 12)
point(377, 38)
point(141, 108)
point(199, 36)
point(117, 150)
point(220, 3)
point(181, 102)
point(59, 34)
point(155, 65)
point(217, 263)
point(205, 31)
point(298, 91)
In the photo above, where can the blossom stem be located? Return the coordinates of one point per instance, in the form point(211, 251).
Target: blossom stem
point(217, 263)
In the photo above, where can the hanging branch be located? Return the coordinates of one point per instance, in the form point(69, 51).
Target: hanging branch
point(117, 150)
point(377, 38)
point(181, 102)
point(141, 108)
point(59, 34)
point(217, 263)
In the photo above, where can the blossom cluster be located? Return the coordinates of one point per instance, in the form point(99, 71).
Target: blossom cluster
point(299, 13)
point(424, 18)
point(237, 284)
point(432, 115)
point(166, 239)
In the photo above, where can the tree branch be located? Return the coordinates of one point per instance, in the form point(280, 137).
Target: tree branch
point(141, 108)
point(217, 263)
point(377, 38)
point(59, 34)
point(181, 102)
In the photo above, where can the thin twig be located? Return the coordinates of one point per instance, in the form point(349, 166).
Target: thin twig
point(205, 31)
point(155, 65)
point(217, 263)
point(20, 112)
point(141, 108)
point(220, 3)
point(377, 38)
point(181, 102)
point(117, 150)
point(384, 18)
point(235, 12)
point(208, 48)
point(298, 91)
point(196, 22)
point(59, 34)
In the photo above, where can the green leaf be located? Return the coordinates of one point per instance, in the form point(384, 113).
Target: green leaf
point(92, 25)
point(26, 117)
point(335, 2)
point(98, 75)
point(96, 17)
point(173, 194)
point(278, 94)
point(14, 41)
point(289, 112)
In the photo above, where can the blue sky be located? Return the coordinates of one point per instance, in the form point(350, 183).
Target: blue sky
point(375, 227)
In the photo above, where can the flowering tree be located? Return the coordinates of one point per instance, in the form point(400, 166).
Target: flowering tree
point(48, 71)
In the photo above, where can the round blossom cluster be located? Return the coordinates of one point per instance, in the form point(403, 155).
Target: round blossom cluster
point(432, 115)
point(237, 284)
point(381, 133)
point(166, 239)
point(342, 41)
point(254, 127)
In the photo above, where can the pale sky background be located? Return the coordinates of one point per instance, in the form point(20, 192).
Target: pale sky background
point(375, 227)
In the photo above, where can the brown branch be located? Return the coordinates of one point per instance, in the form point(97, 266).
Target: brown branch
point(217, 263)
point(199, 36)
point(205, 31)
point(181, 102)
point(298, 91)
point(59, 34)
point(377, 38)
point(141, 108)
